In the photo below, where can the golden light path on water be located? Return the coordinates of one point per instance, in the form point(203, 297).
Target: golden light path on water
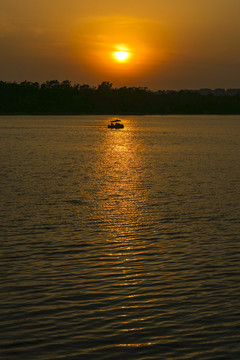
point(120, 211)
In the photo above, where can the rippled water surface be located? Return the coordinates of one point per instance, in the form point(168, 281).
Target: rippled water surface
point(120, 244)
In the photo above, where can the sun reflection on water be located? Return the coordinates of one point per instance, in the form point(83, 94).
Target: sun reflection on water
point(120, 196)
point(120, 205)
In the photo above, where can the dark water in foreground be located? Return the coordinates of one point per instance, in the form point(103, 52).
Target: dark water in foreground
point(120, 244)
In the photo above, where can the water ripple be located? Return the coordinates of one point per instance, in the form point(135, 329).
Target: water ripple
point(120, 244)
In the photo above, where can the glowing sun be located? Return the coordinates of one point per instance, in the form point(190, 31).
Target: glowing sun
point(121, 55)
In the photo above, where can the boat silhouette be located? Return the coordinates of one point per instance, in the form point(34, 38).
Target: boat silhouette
point(116, 124)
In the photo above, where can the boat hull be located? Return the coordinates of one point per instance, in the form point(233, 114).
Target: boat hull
point(116, 126)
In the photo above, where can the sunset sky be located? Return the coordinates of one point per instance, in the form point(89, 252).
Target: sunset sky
point(174, 44)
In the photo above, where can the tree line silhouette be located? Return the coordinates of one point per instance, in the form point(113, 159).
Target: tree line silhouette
point(54, 97)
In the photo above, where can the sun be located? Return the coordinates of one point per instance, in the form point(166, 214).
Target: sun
point(121, 55)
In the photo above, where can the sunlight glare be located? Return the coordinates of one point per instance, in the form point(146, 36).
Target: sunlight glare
point(121, 55)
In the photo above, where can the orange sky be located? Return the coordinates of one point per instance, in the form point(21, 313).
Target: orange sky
point(171, 45)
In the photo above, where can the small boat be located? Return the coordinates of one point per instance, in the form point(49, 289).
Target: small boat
point(116, 124)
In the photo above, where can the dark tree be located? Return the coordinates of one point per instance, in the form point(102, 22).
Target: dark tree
point(53, 97)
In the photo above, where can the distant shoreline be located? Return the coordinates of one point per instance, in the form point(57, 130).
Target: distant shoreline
point(65, 99)
point(118, 114)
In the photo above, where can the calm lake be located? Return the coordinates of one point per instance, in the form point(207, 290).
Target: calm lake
point(120, 244)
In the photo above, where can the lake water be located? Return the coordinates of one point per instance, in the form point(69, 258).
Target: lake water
point(120, 244)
